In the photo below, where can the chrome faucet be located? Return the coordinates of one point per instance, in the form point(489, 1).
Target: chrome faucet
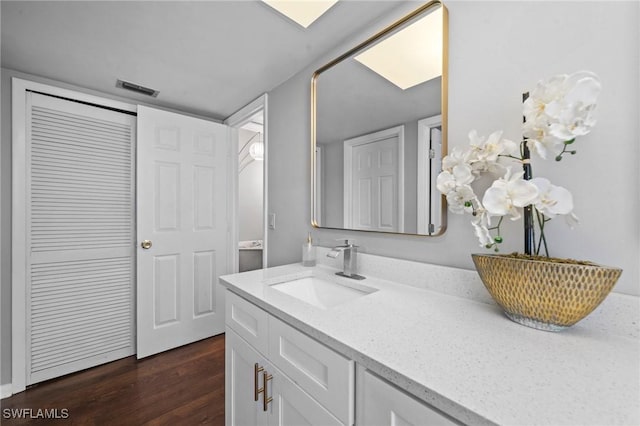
point(350, 252)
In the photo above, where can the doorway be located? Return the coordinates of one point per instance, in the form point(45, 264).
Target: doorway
point(250, 186)
point(250, 193)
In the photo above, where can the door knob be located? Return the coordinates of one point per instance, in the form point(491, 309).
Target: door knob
point(146, 244)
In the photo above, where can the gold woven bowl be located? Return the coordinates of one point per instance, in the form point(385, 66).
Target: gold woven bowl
point(543, 294)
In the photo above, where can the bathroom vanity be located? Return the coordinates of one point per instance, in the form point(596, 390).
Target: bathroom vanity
point(415, 344)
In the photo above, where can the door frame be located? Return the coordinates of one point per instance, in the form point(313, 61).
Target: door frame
point(349, 145)
point(425, 166)
point(19, 88)
point(236, 120)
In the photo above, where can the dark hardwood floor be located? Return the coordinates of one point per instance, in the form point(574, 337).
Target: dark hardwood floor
point(183, 386)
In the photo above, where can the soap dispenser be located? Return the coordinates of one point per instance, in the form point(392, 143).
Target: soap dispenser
point(308, 252)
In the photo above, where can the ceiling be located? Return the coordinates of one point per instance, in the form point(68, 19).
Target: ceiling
point(208, 58)
point(352, 100)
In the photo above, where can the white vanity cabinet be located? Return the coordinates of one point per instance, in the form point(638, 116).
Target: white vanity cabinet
point(381, 403)
point(276, 375)
point(260, 394)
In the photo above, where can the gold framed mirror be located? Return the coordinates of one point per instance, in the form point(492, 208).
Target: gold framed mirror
point(379, 130)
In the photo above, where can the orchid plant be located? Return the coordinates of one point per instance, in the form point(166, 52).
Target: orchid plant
point(555, 113)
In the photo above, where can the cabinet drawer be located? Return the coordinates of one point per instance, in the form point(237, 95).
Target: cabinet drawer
point(294, 407)
point(246, 319)
point(323, 373)
point(381, 403)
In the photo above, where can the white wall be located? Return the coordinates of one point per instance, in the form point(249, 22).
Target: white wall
point(250, 202)
point(332, 185)
point(497, 51)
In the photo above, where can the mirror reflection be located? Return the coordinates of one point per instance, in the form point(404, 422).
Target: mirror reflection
point(379, 130)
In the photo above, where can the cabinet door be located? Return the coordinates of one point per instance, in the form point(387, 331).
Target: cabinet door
point(324, 374)
point(291, 406)
point(380, 403)
point(241, 408)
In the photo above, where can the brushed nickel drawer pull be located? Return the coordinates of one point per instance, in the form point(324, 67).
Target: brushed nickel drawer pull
point(266, 399)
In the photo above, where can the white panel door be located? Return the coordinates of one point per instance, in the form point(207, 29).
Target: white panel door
point(79, 240)
point(373, 198)
point(182, 211)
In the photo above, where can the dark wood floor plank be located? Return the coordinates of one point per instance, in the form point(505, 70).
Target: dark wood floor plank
point(184, 386)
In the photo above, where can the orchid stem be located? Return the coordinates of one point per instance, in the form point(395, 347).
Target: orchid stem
point(543, 238)
point(565, 151)
point(510, 156)
point(497, 226)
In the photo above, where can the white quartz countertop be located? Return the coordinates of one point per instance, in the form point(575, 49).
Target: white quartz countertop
point(464, 356)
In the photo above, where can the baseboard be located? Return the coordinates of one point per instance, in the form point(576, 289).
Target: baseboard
point(5, 390)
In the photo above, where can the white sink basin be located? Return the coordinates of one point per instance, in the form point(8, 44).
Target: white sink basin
point(322, 292)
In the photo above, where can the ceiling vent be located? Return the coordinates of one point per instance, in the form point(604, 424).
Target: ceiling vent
point(137, 88)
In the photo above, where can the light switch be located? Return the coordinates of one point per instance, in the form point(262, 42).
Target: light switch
point(272, 221)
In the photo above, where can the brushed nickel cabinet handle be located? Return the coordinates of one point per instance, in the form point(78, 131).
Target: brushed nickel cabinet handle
point(256, 391)
point(266, 399)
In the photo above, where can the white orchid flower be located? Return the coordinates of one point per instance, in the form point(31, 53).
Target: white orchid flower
point(509, 193)
point(574, 112)
point(572, 120)
point(552, 200)
point(457, 157)
point(544, 146)
point(446, 182)
point(478, 142)
point(508, 147)
point(583, 87)
point(462, 174)
point(455, 179)
point(488, 149)
point(458, 197)
point(486, 152)
point(559, 110)
point(481, 227)
point(572, 220)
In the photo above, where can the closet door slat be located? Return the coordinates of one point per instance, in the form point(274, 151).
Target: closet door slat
point(72, 166)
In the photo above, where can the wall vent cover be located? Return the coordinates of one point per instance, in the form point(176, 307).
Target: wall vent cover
point(137, 88)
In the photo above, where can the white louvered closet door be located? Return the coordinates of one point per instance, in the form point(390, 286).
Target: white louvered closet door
point(80, 239)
